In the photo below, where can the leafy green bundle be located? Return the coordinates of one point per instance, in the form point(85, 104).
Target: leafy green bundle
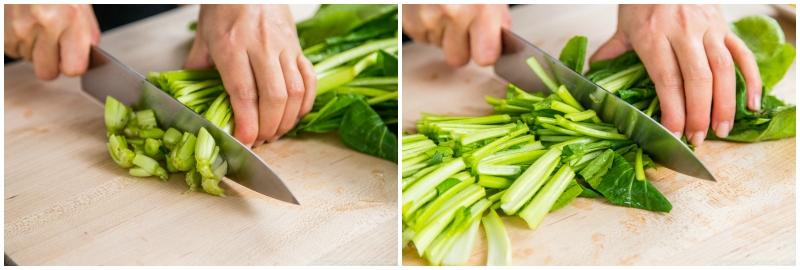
point(198, 156)
point(354, 51)
point(626, 77)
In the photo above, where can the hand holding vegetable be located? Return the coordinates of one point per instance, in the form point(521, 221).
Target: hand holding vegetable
point(56, 38)
point(689, 52)
point(463, 31)
point(255, 48)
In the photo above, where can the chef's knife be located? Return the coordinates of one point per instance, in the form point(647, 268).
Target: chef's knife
point(107, 76)
point(663, 147)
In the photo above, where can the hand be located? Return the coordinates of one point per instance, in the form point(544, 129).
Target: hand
point(56, 38)
point(689, 52)
point(255, 48)
point(463, 31)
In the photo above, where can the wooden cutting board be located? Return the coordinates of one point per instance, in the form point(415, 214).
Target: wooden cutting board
point(747, 218)
point(67, 203)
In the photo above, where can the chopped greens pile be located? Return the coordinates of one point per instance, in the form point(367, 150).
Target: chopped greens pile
point(354, 52)
point(626, 77)
point(198, 156)
point(458, 167)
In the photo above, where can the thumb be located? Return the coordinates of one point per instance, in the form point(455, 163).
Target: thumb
point(616, 46)
point(198, 57)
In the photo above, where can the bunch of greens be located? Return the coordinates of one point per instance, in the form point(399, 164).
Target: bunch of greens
point(626, 77)
point(354, 51)
point(535, 155)
point(198, 156)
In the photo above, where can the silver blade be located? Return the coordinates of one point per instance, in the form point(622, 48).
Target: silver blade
point(663, 147)
point(109, 77)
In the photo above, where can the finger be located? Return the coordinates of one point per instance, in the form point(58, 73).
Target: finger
point(432, 21)
point(505, 20)
point(412, 24)
point(10, 40)
point(616, 46)
point(198, 57)
point(723, 107)
point(295, 89)
point(74, 46)
point(258, 143)
point(456, 43)
point(747, 65)
point(25, 48)
point(662, 66)
point(45, 58)
point(272, 95)
point(310, 83)
point(484, 36)
point(237, 77)
point(698, 87)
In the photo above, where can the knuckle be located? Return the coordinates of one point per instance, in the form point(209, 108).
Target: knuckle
point(722, 63)
point(295, 89)
point(670, 80)
point(245, 93)
point(698, 75)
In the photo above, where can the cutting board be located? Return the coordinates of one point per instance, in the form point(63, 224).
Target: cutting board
point(747, 218)
point(67, 203)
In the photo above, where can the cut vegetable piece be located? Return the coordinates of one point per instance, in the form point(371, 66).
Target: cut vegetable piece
point(499, 246)
point(116, 115)
point(529, 182)
point(430, 181)
point(543, 201)
point(151, 166)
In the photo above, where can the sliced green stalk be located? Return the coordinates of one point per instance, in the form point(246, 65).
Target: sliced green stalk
point(542, 74)
point(581, 116)
point(430, 181)
point(516, 157)
point(490, 181)
point(494, 146)
point(183, 155)
point(116, 115)
point(382, 98)
point(372, 81)
point(193, 180)
point(354, 53)
point(588, 131)
point(171, 138)
point(146, 119)
point(560, 130)
point(499, 246)
point(622, 79)
point(413, 138)
point(462, 246)
point(211, 184)
point(152, 133)
point(498, 170)
point(583, 140)
point(120, 153)
point(496, 196)
point(366, 91)
point(540, 205)
point(139, 172)
point(550, 138)
point(485, 120)
point(437, 203)
point(529, 182)
point(151, 166)
point(152, 149)
point(565, 96)
point(464, 198)
point(460, 225)
point(652, 107)
point(481, 135)
point(639, 166)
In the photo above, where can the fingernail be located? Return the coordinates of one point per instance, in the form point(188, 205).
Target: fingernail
point(723, 128)
point(756, 102)
point(677, 134)
point(696, 139)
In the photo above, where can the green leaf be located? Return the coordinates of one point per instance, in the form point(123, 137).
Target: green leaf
point(574, 53)
point(594, 172)
point(621, 188)
point(573, 190)
point(447, 184)
point(388, 63)
point(363, 130)
point(333, 20)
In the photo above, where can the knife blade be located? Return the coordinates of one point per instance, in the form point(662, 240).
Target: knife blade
point(663, 147)
point(107, 76)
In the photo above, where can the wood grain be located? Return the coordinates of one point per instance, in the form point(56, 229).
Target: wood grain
point(747, 218)
point(67, 203)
